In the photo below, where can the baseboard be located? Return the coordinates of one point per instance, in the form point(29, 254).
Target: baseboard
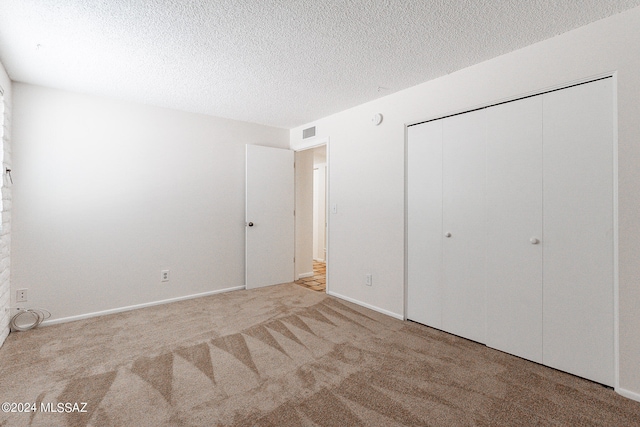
point(136, 306)
point(628, 394)
point(371, 307)
point(304, 275)
point(318, 260)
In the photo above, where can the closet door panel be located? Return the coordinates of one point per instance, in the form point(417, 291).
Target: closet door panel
point(463, 308)
point(424, 223)
point(578, 324)
point(514, 218)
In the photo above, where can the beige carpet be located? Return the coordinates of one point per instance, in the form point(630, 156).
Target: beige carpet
point(285, 356)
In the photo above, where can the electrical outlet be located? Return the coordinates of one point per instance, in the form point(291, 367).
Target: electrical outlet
point(164, 276)
point(368, 280)
point(21, 295)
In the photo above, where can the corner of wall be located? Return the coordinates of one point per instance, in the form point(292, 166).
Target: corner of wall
point(5, 214)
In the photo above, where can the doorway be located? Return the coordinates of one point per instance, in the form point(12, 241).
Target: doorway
point(311, 217)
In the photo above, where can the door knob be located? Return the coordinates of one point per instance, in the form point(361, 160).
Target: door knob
point(447, 234)
point(250, 224)
point(534, 241)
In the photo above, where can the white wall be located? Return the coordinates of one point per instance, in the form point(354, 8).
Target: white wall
point(367, 163)
point(304, 213)
point(5, 233)
point(108, 194)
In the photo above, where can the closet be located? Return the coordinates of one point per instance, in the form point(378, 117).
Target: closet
point(510, 227)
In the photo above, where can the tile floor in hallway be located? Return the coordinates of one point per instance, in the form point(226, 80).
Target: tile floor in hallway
point(318, 282)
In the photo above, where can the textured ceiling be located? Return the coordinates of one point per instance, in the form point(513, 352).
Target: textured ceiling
point(277, 62)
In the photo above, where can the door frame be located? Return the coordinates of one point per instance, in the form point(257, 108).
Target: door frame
point(307, 145)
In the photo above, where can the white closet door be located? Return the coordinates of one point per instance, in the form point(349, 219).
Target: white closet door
point(578, 325)
point(463, 308)
point(514, 218)
point(424, 223)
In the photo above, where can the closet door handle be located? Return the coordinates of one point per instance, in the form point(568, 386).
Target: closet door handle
point(534, 241)
point(447, 234)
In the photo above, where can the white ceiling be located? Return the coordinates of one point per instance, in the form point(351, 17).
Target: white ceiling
point(277, 62)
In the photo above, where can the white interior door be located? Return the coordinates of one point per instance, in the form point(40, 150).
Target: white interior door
point(514, 228)
point(269, 216)
point(578, 228)
point(424, 223)
point(463, 189)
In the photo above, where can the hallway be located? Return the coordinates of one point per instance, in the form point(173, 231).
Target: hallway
point(318, 282)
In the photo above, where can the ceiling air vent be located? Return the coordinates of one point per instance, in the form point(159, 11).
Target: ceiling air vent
point(308, 132)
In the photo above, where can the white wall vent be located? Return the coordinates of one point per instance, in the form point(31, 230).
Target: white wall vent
point(308, 132)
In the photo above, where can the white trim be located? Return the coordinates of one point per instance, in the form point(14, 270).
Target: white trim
point(327, 216)
point(310, 143)
point(405, 219)
point(319, 259)
point(304, 275)
point(371, 307)
point(616, 241)
point(136, 306)
point(628, 394)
